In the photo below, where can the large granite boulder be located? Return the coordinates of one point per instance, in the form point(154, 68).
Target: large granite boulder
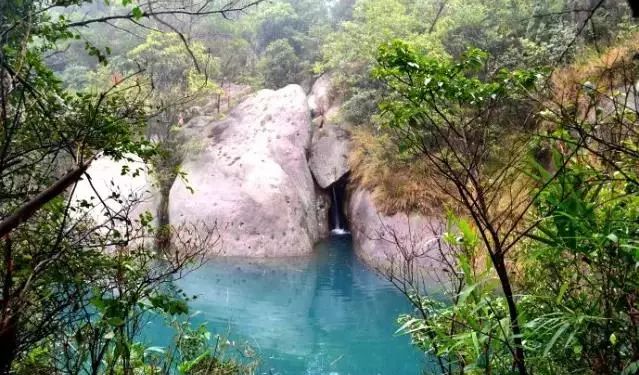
point(329, 154)
point(384, 240)
point(117, 188)
point(249, 175)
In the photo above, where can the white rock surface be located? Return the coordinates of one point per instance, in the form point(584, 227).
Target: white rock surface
point(251, 177)
point(106, 178)
point(381, 240)
point(329, 154)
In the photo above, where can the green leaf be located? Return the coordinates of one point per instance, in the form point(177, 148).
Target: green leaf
point(137, 13)
point(562, 291)
point(613, 238)
point(404, 328)
point(467, 291)
point(555, 337)
point(476, 344)
point(115, 321)
point(631, 369)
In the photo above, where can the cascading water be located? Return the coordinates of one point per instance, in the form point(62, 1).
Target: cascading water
point(337, 222)
point(338, 226)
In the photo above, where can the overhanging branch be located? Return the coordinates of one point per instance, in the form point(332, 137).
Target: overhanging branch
point(27, 210)
point(130, 16)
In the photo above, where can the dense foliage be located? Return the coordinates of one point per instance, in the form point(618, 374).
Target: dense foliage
point(514, 33)
point(541, 251)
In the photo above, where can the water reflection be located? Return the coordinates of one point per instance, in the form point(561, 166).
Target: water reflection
point(325, 314)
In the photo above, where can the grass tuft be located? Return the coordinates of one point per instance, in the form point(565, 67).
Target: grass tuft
point(396, 184)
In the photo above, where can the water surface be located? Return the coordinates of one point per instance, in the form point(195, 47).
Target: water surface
point(323, 314)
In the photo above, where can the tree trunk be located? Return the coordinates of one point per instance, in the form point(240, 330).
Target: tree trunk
point(519, 356)
point(163, 237)
point(8, 343)
point(27, 210)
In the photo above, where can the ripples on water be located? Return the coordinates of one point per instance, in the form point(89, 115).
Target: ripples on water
point(323, 314)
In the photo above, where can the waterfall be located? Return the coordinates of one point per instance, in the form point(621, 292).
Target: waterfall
point(336, 213)
point(337, 223)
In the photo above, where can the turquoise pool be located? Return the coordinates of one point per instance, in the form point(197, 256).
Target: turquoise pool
point(323, 314)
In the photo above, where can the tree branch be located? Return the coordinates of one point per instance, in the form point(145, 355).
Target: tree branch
point(131, 16)
point(31, 207)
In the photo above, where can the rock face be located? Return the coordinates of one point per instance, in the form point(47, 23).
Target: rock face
point(329, 154)
point(319, 99)
point(251, 177)
point(380, 239)
point(134, 191)
point(323, 101)
point(331, 141)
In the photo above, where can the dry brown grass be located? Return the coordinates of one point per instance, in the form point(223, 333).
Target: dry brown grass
point(396, 185)
point(608, 69)
point(606, 107)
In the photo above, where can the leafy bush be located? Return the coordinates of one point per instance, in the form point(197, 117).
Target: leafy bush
point(543, 259)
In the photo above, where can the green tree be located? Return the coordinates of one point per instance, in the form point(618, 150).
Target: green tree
point(280, 65)
point(179, 77)
point(442, 110)
point(541, 251)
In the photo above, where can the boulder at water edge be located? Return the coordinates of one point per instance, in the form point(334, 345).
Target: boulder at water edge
point(381, 240)
point(249, 175)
